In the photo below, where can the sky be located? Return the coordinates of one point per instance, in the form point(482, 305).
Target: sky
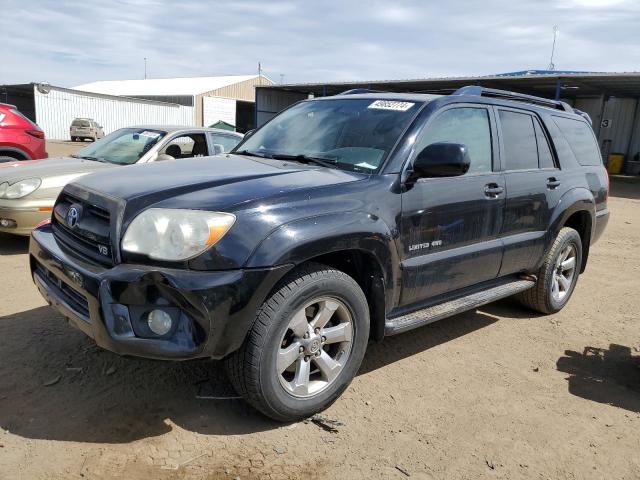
point(68, 43)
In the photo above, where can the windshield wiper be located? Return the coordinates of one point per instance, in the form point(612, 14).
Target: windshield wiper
point(249, 153)
point(86, 157)
point(324, 162)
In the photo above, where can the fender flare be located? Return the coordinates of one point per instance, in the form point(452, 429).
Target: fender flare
point(301, 240)
point(6, 149)
point(576, 200)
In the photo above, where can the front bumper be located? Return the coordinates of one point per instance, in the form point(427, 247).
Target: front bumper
point(213, 311)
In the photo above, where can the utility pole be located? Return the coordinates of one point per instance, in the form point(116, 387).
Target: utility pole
point(145, 68)
point(553, 47)
point(281, 78)
point(259, 73)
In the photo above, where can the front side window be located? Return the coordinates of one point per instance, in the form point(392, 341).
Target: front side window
point(123, 147)
point(467, 126)
point(348, 133)
point(519, 140)
point(223, 143)
point(186, 146)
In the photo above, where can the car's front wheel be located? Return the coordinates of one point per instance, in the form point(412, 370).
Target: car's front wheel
point(305, 346)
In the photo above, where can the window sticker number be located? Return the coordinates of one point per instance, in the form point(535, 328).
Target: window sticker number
point(391, 105)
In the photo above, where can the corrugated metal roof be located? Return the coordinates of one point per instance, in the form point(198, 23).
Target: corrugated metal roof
point(533, 82)
point(163, 86)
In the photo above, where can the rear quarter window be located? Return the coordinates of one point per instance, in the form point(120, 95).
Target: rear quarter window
point(581, 140)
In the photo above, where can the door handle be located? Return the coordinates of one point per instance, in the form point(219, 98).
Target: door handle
point(552, 183)
point(492, 190)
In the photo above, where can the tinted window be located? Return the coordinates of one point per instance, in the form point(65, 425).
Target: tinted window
point(545, 156)
point(519, 140)
point(80, 123)
point(467, 126)
point(353, 133)
point(581, 140)
point(223, 143)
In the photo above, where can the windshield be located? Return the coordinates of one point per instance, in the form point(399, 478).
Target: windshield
point(123, 147)
point(352, 134)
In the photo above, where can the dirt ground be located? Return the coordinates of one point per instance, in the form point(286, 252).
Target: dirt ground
point(493, 393)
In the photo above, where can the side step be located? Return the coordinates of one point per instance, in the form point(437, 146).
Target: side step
point(412, 320)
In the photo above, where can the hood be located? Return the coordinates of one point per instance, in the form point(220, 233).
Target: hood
point(49, 168)
point(211, 182)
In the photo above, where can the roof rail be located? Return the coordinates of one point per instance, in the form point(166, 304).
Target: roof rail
point(355, 91)
point(514, 96)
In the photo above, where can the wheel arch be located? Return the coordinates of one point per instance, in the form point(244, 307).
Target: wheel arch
point(14, 152)
point(359, 244)
point(578, 213)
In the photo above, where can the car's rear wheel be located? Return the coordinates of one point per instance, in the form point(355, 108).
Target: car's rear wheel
point(558, 276)
point(305, 346)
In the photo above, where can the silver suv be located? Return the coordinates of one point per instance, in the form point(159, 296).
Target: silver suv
point(83, 128)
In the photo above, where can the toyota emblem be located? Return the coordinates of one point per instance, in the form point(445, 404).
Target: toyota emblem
point(73, 215)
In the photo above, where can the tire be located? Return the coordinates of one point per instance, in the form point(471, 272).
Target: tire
point(550, 295)
point(307, 295)
point(4, 158)
point(73, 139)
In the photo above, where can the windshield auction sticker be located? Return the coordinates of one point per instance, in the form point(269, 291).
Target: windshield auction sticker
point(149, 134)
point(391, 105)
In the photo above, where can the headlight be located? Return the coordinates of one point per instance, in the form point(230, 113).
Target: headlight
point(19, 189)
point(173, 234)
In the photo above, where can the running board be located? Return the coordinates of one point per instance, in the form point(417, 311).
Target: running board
point(416, 319)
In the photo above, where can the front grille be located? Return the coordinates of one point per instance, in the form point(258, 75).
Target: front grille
point(73, 299)
point(90, 236)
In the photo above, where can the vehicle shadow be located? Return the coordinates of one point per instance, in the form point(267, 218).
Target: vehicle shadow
point(57, 385)
point(610, 376)
point(13, 244)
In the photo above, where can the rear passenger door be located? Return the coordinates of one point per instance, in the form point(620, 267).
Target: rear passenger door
point(533, 187)
point(451, 226)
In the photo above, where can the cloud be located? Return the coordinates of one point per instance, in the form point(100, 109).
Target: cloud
point(68, 43)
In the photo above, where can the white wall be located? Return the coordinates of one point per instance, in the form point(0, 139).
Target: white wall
point(215, 109)
point(56, 110)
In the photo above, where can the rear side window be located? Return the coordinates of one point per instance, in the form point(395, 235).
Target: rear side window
point(519, 140)
point(467, 126)
point(544, 151)
point(581, 140)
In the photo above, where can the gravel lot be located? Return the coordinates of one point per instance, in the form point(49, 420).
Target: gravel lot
point(493, 393)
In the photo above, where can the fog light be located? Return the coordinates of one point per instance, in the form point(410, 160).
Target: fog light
point(7, 223)
point(159, 322)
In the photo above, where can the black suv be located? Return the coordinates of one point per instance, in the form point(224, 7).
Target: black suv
point(343, 219)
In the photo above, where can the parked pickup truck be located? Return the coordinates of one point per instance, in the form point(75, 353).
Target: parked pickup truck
point(343, 219)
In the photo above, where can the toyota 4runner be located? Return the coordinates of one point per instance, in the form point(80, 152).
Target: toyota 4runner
point(343, 219)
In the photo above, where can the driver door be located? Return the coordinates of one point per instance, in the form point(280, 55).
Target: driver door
point(451, 226)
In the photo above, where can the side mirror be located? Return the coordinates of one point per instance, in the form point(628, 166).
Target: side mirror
point(441, 160)
point(163, 156)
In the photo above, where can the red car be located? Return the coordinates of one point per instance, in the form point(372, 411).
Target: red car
point(20, 138)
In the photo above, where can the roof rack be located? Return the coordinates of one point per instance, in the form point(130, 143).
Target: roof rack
point(355, 91)
point(514, 96)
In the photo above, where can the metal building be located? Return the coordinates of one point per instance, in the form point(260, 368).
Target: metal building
point(611, 99)
point(226, 98)
point(54, 108)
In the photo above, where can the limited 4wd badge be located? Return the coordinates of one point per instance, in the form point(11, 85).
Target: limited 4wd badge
point(391, 105)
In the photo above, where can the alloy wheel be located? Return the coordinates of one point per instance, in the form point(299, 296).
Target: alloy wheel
point(315, 347)
point(564, 273)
